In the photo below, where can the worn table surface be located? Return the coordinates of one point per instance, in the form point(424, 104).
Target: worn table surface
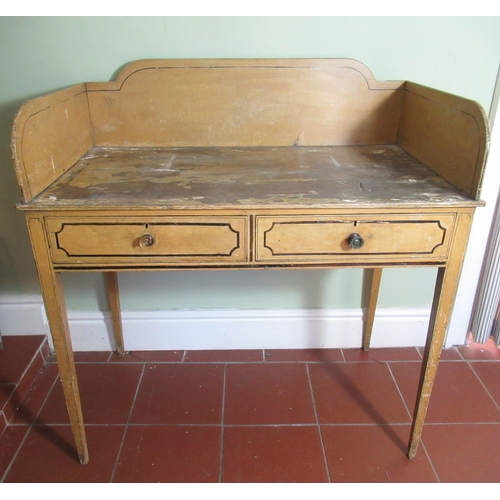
point(260, 177)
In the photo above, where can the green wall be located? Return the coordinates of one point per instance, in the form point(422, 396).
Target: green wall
point(42, 54)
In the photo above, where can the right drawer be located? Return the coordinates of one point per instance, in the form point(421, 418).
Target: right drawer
point(317, 238)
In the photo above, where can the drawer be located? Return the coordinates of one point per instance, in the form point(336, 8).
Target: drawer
point(176, 240)
point(327, 239)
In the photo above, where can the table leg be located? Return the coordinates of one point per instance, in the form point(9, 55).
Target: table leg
point(114, 303)
point(374, 276)
point(55, 307)
point(435, 338)
point(444, 297)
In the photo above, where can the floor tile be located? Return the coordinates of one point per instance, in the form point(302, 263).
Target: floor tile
point(356, 393)
point(457, 394)
point(6, 392)
point(180, 394)
point(265, 420)
point(92, 357)
point(107, 392)
point(448, 354)
point(373, 454)
point(268, 393)
point(304, 355)
point(382, 354)
point(489, 374)
point(170, 454)
point(48, 455)
point(3, 422)
point(464, 453)
point(46, 349)
point(225, 356)
point(29, 407)
point(17, 353)
point(10, 440)
point(274, 454)
point(22, 388)
point(147, 356)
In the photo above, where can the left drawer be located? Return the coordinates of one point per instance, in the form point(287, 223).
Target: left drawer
point(176, 240)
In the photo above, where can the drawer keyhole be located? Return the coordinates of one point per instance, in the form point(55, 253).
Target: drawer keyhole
point(146, 240)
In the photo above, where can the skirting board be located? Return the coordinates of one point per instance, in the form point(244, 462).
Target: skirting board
point(221, 329)
point(23, 315)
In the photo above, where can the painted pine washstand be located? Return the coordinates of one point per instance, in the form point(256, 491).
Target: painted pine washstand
point(247, 164)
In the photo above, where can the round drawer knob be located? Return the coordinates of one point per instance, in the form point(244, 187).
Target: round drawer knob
point(146, 240)
point(355, 241)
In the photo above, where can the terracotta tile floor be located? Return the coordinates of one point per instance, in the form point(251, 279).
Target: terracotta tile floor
point(315, 416)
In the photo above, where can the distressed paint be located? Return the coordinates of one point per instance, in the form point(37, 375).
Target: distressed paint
point(262, 177)
point(279, 139)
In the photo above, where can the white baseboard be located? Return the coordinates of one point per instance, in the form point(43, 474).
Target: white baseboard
point(22, 315)
point(247, 329)
point(221, 329)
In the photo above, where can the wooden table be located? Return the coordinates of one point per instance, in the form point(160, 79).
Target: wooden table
point(399, 192)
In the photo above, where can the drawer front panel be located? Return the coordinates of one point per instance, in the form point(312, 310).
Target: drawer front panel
point(173, 240)
point(325, 239)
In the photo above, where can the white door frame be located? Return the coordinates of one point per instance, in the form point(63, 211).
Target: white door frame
point(478, 241)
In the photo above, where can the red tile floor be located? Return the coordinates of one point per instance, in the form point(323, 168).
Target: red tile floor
point(335, 415)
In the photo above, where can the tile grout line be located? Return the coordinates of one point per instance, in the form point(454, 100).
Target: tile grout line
point(439, 424)
point(483, 385)
point(422, 445)
point(237, 426)
point(221, 457)
point(38, 352)
point(399, 391)
point(30, 427)
point(15, 455)
point(33, 360)
point(127, 424)
point(291, 361)
point(325, 461)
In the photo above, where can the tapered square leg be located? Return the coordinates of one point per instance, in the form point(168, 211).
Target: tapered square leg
point(55, 307)
point(372, 282)
point(116, 316)
point(444, 297)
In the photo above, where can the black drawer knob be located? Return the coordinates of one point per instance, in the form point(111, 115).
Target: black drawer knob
point(355, 241)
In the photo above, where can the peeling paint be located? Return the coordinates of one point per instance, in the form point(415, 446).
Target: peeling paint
point(335, 162)
point(259, 176)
